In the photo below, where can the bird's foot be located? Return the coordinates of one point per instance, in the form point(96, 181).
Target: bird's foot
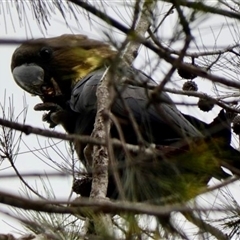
point(54, 116)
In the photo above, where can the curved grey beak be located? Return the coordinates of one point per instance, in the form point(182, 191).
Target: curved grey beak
point(29, 77)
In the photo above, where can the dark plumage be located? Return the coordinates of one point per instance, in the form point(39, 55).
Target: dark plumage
point(65, 72)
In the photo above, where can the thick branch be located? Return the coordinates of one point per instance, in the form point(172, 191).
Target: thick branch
point(86, 206)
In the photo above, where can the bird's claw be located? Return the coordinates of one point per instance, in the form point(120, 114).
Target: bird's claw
point(47, 118)
point(52, 116)
point(47, 106)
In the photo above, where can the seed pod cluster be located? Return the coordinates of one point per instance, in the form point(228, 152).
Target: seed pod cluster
point(236, 124)
point(190, 86)
point(205, 104)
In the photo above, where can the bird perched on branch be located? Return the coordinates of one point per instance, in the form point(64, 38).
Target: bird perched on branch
point(65, 72)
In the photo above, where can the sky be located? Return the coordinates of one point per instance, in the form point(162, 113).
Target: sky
point(28, 160)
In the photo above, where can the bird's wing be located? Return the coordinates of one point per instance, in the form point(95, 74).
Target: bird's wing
point(162, 121)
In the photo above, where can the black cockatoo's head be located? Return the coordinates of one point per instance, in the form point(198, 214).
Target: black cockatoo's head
point(65, 60)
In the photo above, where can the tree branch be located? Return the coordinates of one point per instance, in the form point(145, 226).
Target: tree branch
point(86, 206)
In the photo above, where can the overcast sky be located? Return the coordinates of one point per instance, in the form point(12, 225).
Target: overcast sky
point(27, 161)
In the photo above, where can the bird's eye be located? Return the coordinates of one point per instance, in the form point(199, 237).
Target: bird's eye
point(45, 53)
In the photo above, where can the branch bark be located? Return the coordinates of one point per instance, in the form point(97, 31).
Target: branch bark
point(85, 206)
point(105, 93)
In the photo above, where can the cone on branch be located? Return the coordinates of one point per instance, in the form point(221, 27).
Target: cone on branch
point(205, 105)
point(190, 86)
point(236, 124)
point(187, 74)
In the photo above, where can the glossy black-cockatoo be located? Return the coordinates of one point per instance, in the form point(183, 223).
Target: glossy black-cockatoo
point(66, 71)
